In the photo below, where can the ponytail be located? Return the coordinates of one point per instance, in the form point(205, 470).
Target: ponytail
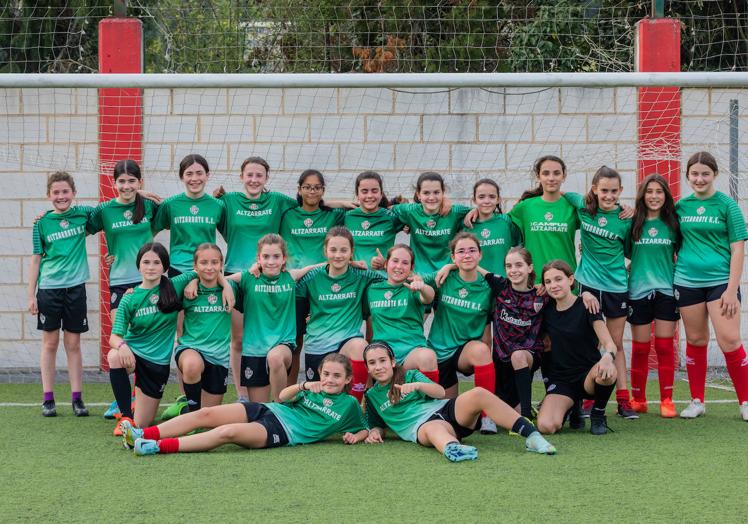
point(168, 301)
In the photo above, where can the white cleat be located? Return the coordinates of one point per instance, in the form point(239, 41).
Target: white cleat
point(744, 410)
point(488, 426)
point(694, 409)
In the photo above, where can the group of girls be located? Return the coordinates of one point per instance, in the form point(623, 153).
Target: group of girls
point(489, 317)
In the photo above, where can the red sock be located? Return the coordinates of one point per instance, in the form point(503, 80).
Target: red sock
point(665, 349)
point(639, 370)
point(151, 433)
point(168, 445)
point(622, 395)
point(737, 366)
point(485, 377)
point(432, 375)
point(587, 404)
point(696, 370)
point(358, 384)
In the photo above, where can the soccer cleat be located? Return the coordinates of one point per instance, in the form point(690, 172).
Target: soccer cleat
point(640, 406)
point(79, 408)
point(49, 409)
point(587, 408)
point(488, 426)
point(599, 425)
point(112, 411)
point(576, 420)
point(143, 447)
point(175, 409)
point(130, 434)
point(118, 428)
point(625, 410)
point(537, 444)
point(744, 410)
point(456, 452)
point(667, 408)
point(694, 409)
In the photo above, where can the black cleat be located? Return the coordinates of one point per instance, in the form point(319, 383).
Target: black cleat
point(576, 421)
point(49, 409)
point(598, 425)
point(79, 408)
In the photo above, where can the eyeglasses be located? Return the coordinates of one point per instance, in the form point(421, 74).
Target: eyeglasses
point(312, 188)
point(469, 251)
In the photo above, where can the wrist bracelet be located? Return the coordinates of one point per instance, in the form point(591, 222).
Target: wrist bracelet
point(121, 344)
point(302, 386)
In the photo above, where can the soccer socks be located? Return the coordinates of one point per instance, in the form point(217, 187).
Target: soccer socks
point(360, 374)
point(524, 427)
point(665, 349)
point(523, 382)
point(151, 433)
point(431, 375)
point(639, 370)
point(122, 390)
point(485, 377)
point(696, 370)
point(168, 445)
point(602, 395)
point(737, 367)
point(546, 363)
point(622, 395)
point(49, 396)
point(76, 395)
point(193, 393)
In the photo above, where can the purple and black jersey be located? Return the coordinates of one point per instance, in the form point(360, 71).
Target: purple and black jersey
point(516, 317)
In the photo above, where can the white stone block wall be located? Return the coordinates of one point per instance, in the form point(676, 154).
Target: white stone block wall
point(466, 134)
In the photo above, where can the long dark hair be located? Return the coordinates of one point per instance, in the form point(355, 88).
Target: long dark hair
point(131, 167)
point(538, 191)
point(667, 212)
point(302, 178)
point(428, 176)
point(702, 157)
point(192, 159)
point(591, 202)
point(168, 301)
point(398, 373)
point(489, 182)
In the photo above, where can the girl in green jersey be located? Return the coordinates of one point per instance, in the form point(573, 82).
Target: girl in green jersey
point(654, 239)
point(306, 413)
point(496, 231)
point(415, 408)
point(707, 280)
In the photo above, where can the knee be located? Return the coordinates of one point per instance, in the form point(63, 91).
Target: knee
point(481, 354)
point(226, 433)
point(192, 369)
point(728, 343)
point(275, 361)
point(427, 360)
point(698, 339)
point(547, 426)
point(519, 360)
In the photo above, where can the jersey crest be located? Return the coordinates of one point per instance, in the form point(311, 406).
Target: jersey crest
point(365, 225)
point(548, 216)
point(308, 222)
point(463, 292)
point(653, 231)
point(602, 221)
point(194, 210)
point(64, 224)
point(485, 233)
point(127, 214)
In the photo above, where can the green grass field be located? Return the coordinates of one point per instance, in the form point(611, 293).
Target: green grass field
point(651, 470)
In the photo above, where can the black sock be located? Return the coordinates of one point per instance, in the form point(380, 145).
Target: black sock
point(546, 363)
point(523, 427)
point(122, 390)
point(523, 383)
point(602, 395)
point(193, 392)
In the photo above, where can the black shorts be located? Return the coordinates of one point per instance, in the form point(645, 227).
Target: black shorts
point(62, 308)
point(312, 362)
point(214, 379)
point(688, 296)
point(447, 414)
point(506, 388)
point(612, 305)
point(302, 313)
point(574, 390)
point(655, 306)
point(117, 292)
point(448, 369)
point(255, 372)
point(238, 296)
point(151, 378)
point(259, 412)
point(173, 272)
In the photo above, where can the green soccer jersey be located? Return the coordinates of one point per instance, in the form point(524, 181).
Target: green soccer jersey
point(652, 260)
point(304, 233)
point(548, 230)
point(191, 221)
point(312, 417)
point(148, 332)
point(396, 317)
point(461, 313)
point(430, 234)
point(247, 221)
point(405, 416)
point(372, 231)
point(604, 237)
point(207, 325)
point(335, 306)
point(123, 238)
point(708, 228)
point(60, 239)
point(269, 312)
point(497, 236)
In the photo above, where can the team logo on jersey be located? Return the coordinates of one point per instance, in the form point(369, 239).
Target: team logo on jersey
point(253, 206)
point(127, 214)
point(212, 299)
point(42, 318)
point(388, 295)
point(310, 373)
point(308, 222)
point(485, 233)
point(602, 221)
point(327, 402)
point(537, 305)
point(701, 210)
point(365, 225)
point(194, 210)
point(463, 292)
point(677, 294)
point(153, 299)
point(247, 373)
point(631, 311)
point(653, 231)
point(431, 224)
point(335, 287)
point(548, 216)
point(64, 224)
point(551, 387)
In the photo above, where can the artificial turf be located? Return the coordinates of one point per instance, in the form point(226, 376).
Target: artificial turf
point(650, 470)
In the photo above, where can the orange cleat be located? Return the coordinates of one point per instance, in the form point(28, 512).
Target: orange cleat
point(667, 408)
point(640, 406)
point(118, 428)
